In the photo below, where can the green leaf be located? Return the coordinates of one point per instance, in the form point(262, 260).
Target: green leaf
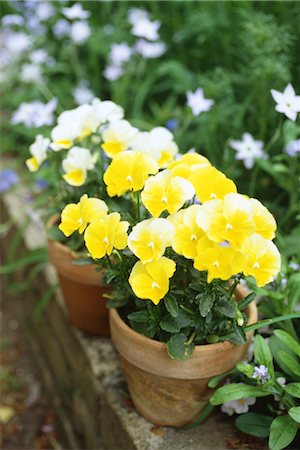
point(226, 308)
point(83, 261)
point(246, 369)
point(262, 353)
point(175, 324)
point(282, 432)
point(32, 257)
point(288, 340)
point(288, 360)
point(171, 306)
point(265, 322)
point(205, 304)
point(294, 412)
point(214, 381)
point(276, 346)
point(236, 391)
point(139, 316)
point(293, 389)
point(246, 301)
point(255, 424)
point(293, 287)
point(236, 336)
point(148, 329)
point(178, 347)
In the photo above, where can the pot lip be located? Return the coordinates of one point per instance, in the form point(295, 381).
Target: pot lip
point(161, 346)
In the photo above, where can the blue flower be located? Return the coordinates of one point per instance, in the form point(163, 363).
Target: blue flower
point(41, 184)
point(171, 124)
point(261, 373)
point(7, 179)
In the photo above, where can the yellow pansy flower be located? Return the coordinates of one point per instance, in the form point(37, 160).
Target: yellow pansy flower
point(148, 239)
point(187, 233)
point(78, 161)
point(128, 171)
point(76, 216)
point(229, 219)
point(262, 259)
point(220, 261)
point(264, 221)
point(150, 281)
point(184, 166)
point(117, 137)
point(210, 183)
point(165, 192)
point(101, 236)
point(38, 151)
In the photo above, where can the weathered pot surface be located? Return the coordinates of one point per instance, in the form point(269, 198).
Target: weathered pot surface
point(166, 391)
point(82, 290)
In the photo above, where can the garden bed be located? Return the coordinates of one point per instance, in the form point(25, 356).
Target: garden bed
point(82, 374)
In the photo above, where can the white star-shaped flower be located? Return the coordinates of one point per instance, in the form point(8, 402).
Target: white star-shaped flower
point(197, 102)
point(248, 149)
point(287, 101)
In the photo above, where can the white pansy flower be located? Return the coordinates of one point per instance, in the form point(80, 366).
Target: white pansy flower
point(75, 12)
point(31, 73)
point(35, 114)
point(82, 94)
point(80, 32)
point(136, 14)
point(120, 53)
point(293, 147)
point(238, 406)
point(144, 28)
point(61, 28)
point(76, 165)
point(117, 137)
point(107, 111)
point(40, 56)
point(17, 43)
point(197, 102)
point(113, 73)
point(150, 49)
point(157, 143)
point(287, 101)
point(38, 150)
point(248, 150)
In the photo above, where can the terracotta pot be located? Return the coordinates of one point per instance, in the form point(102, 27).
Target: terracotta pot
point(82, 290)
point(165, 391)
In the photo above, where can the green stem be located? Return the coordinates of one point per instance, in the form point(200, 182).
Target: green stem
point(191, 338)
point(187, 310)
point(265, 322)
point(109, 262)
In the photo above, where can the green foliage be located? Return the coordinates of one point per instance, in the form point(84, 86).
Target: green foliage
point(256, 424)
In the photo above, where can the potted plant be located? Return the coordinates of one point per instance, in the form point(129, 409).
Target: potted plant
point(178, 314)
point(72, 161)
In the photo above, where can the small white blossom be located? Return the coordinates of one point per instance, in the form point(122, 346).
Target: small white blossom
point(281, 381)
point(62, 28)
point(150, 49)
point(197, 102)
point(80, 32)
point(137, 14)
point(248, 149)
point(82, 94)
point(120, 54)
point(40, 56)
point(31, 73)
point(12, 19)
point(238, 406)
point(75, 12)
point(144, 28)
point(17, 43)
point(287, 101)
point(293, 148)
point(295, 266)
point(261, 373)
point(44, 10)
point(113, 73)
point(35, 114)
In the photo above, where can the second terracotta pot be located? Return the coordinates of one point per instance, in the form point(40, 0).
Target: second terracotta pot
point(82, 289)
point(165, 391)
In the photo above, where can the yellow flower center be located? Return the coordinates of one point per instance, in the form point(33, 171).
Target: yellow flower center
point(164, 199)
point(155, 285)
point(213, 195)
point(129, 178)
point(216, 264)
point(256, 265)
point(228, 227)
point(193, 237)
point(106, 240)
point(151, 245)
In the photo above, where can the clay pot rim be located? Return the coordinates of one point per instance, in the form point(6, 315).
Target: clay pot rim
point(159, 346)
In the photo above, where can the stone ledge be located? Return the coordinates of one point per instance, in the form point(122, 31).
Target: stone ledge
point(83, 376)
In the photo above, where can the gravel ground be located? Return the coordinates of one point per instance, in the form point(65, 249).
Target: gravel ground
point(26, 419)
